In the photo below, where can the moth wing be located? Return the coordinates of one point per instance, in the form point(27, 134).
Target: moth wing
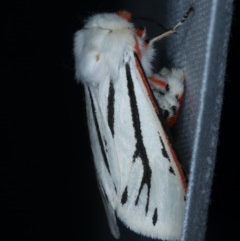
point(104, 156)
point(152, 190)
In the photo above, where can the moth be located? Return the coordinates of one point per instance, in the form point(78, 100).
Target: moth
point(139, 176)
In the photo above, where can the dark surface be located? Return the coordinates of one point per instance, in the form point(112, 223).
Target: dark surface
point(224, 201)
point(48, 186)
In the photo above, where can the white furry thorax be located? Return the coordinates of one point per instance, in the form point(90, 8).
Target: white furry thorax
point(105, 43)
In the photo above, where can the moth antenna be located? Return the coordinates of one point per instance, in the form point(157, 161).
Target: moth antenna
point(182, 20)
point(173, 29)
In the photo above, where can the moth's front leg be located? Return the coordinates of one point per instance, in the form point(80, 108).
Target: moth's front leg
point(168, 88)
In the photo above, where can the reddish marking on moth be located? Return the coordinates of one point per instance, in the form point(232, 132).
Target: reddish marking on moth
point(180, 99)
point(158, 82)
point(124, 14)
point(172, 120)
point(137, 48)
point(140, 32)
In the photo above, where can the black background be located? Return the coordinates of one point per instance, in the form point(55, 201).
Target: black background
point(48, 187)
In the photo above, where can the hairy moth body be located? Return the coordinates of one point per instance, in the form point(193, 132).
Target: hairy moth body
point(139, 176)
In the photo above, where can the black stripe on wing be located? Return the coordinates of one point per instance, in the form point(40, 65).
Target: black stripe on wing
point(140, 151)
point(110, 107)
point(98, 132)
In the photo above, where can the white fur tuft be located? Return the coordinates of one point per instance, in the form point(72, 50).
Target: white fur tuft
point(102, 46)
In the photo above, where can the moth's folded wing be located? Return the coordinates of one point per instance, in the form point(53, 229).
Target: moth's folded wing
point(104, 155)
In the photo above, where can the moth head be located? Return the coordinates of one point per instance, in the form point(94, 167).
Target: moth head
point(105, 43)
point(101, 46)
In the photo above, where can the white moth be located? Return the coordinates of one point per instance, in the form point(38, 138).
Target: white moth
point(139, 176)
